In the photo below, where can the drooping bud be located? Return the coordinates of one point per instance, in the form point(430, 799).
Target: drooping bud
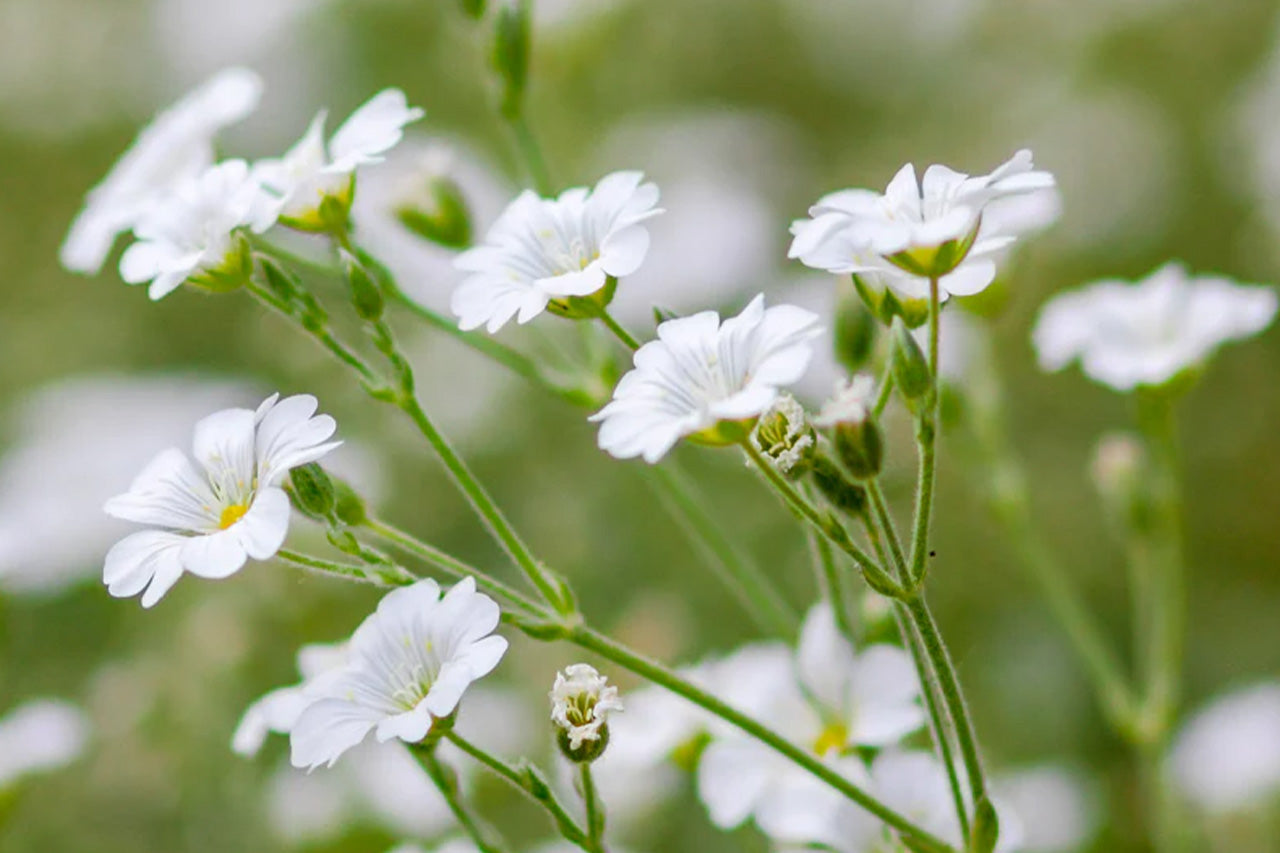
point(581, 701)
point(910, 368)
point(836, 486)
point(855, 434)
point(437, 209)
point(784, 435)
point(511, 53)
point(312, 492)
point(366, 297)
point(854, 331)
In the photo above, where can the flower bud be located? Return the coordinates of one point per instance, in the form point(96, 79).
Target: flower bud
point(985, 831)
point(784, 435)
point(854, 331)
point(511, 53)
point(835, 485)
point(283, 285)
point(856, 435)
point(884, 304)
point(910, 368)
point(348, 506)
point(581, 701)
point(440, 214)
point(365, 294)
point(312, 491)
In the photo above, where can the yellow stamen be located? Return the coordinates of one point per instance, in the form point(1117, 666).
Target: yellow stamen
point(231, 515)
point(833, 738)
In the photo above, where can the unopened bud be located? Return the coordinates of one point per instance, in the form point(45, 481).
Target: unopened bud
point(855, 433)
point(365, 294)
point(348, 506)
point(783, 434)
point(854, 331)
point(581, 701)
point(511, 53)
point(440, 214)
point(836, 486)
point(312, 492)
point(885, 304)
point(910, 368)
point(282, 284)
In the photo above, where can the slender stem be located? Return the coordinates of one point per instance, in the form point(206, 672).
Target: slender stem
point(320, 334)
point(949, 687)
point(602, 645)
point(926, 438)
point(739, 573)
point(447, 783)
point(886, 390)
point(530, 783)
point(531, 153)
point(881, 510)
point(628, 339)
point(343, 570)
point(593, 807)
point(831, 583)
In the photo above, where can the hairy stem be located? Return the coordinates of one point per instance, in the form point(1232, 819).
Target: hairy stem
point(446, 780)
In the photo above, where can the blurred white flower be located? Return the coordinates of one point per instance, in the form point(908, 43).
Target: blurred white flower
point(38, 736)
point(853, 402)
point(928, 228)
point(192, 233)
point(314, 170)
point(581, 702)
point(411, 662)
point(701, 372)
point(210, 520)
point(1055, 809)
point(279, 710)
point(543, 250)
point(1226, 758)
point(1145, 333)
point(915, 785)
point(176, 145)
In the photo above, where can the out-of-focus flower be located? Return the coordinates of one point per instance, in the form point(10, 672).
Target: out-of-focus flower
point(1127, 335)
point(209, 521)
point(39, 736)
point(701, 375)
point(581, 702)
point(411, 661)
point(192, 234)
point(177, 145)
point(915, 785)
point(1055, 809)
point(542, 251)
point(1226, 758)
point(927, 228)
point(314, 171)
point(279, 710)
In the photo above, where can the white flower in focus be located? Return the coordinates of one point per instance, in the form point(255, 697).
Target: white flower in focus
point(40, 735)
point(209, 520)
point(1127, 335)
point(581, 701)
point(279, 710)
point(411, 661)
point(701, 373)
point(314, 170)
point(192, 233)
point(542, 251)
point(924, 228)
point(786, 437)
point(1226, 758)
point(177, 145)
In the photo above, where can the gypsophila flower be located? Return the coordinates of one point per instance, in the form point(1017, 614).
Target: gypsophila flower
point(543, 252)
point(313, 171)
point(411, 662)
point(1145, 333)
point(1226, 758)
point(208, 520)
point(192, 234)
point(175, 146)
point(785, 436)
point(706, 379)
point(926, 229)
point(581, 701)
point(41, 735)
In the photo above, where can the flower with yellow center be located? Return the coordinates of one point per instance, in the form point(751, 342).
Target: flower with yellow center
point(210, 517)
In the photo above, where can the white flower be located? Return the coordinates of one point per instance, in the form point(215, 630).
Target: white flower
point(41, 735)
point(541, 251)
point(210, 519)
point(192, 233)
point(915, 785)
point(922, 229)
point(178, 144)
point(785, 436)
point(1145, 333)
point(701, 372)
point(411, 661)
point(313, 170)
point(852, 403)
point(1226, 758)
point(581, 701)
point(279, 710)
point(1055, 808)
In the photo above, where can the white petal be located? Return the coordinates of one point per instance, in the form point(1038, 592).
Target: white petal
point(213, 555)
point(373, 129)
point(733, 775)
point(263, 528)
point(326, 730)
point(147, 559)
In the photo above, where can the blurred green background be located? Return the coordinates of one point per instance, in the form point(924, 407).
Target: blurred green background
point(1159, 118)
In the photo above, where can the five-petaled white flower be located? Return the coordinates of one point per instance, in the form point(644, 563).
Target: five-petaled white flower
point(701, 374)
point(542, 251)
point(915, 230)
point(176, 145)
point(411, 661)
point(193, 233)
point(1146, 333)
point(208, 520)
point(581, 701)
point(313, 170)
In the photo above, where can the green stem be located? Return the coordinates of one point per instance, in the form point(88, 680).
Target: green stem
point(881, 510)
point(593, 807)
point(529, 782)
point(447, 783)
point(831, 584)
point(319, 334)
point(732, 566)
point(886, 390)
point(926, 438)
point(588, 638)
point(619, 332)
point(531, 154)
point(343, 570)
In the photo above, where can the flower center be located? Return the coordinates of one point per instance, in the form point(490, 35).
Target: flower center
point(232, 514)
point(831, 739)
point(580, 709)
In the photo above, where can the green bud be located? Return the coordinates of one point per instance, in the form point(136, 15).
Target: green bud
point(884, 304)
point(444, 218)
point(283, 285)
point(588, 750)
point(985, 830)
point(584, 307)
point(365, 294)
point(344, 541)
point(511, 53)
point(910, 367)
point(348, 506)
point(835, 485)
point(856, 435)
point(784, 435)
point(313, 492)
point(854, 331)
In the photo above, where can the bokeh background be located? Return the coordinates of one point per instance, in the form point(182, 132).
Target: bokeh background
point(1160, 118)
